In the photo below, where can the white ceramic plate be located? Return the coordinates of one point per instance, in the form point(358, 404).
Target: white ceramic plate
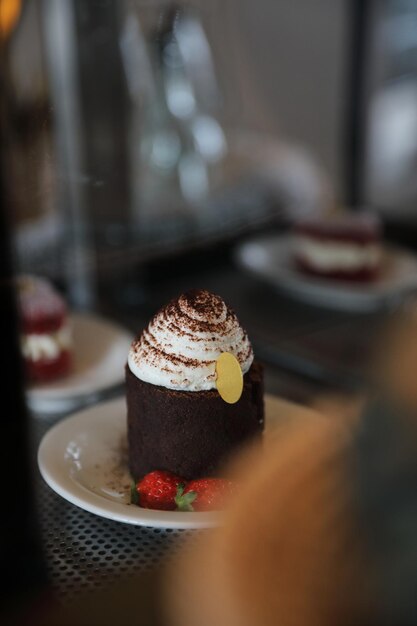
point(269, 258)
point(83, 458)
point(100, 352)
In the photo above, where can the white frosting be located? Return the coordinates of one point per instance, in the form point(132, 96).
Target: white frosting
point(46, 345)
point(326, 255)
point(179, 348)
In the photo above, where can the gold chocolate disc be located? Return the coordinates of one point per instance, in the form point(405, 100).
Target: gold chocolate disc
point(229, 380)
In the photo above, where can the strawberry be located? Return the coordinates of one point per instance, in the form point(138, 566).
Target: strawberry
point(204, 494)
point(157, 490)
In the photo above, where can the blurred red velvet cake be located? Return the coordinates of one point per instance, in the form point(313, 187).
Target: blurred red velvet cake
point(341, 246)
point(45, 336)
point(177, 420)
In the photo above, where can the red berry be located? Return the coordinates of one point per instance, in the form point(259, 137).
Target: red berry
point(205, 494)
point(45, 370)
point(157, 490)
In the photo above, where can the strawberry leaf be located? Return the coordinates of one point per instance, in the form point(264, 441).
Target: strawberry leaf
point(184, 500)
point(134, 496)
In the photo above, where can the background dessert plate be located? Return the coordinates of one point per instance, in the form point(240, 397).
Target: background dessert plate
point(99, 356)
point(269, 257)
point(83, 458)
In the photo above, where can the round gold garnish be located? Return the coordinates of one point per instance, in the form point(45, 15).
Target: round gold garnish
point(229, 379)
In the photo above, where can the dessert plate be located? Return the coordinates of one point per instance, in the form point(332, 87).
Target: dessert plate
point(100, 351)
point(83, 458)
point(269, 258)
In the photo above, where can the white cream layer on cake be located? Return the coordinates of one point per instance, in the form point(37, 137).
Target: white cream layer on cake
point(48, 346)
point(325, 255)
point(179, 348)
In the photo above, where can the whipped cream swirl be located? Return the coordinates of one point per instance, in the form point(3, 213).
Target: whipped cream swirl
point(179, 348)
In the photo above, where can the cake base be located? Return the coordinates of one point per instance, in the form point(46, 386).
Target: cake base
point(48, 370)
point(189, 433)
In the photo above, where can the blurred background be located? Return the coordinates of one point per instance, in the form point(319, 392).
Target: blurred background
point(159, 128)
point(145, 142)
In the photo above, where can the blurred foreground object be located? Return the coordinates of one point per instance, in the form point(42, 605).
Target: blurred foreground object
point(25, 585)
point(394, 364)
point(323, 532)
point(287, 553)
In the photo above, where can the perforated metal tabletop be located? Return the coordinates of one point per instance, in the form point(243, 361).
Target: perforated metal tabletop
point(85, 552)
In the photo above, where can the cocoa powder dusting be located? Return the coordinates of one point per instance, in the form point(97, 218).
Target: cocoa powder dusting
point(195, 312)
point(176, 359)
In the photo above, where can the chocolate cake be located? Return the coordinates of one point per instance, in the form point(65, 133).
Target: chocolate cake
point(341, 246)
point(45, 330)
point(177, 421)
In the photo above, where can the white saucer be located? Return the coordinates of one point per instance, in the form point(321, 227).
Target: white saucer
point(83, 458)
point(269, 257)
point(100, 352)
